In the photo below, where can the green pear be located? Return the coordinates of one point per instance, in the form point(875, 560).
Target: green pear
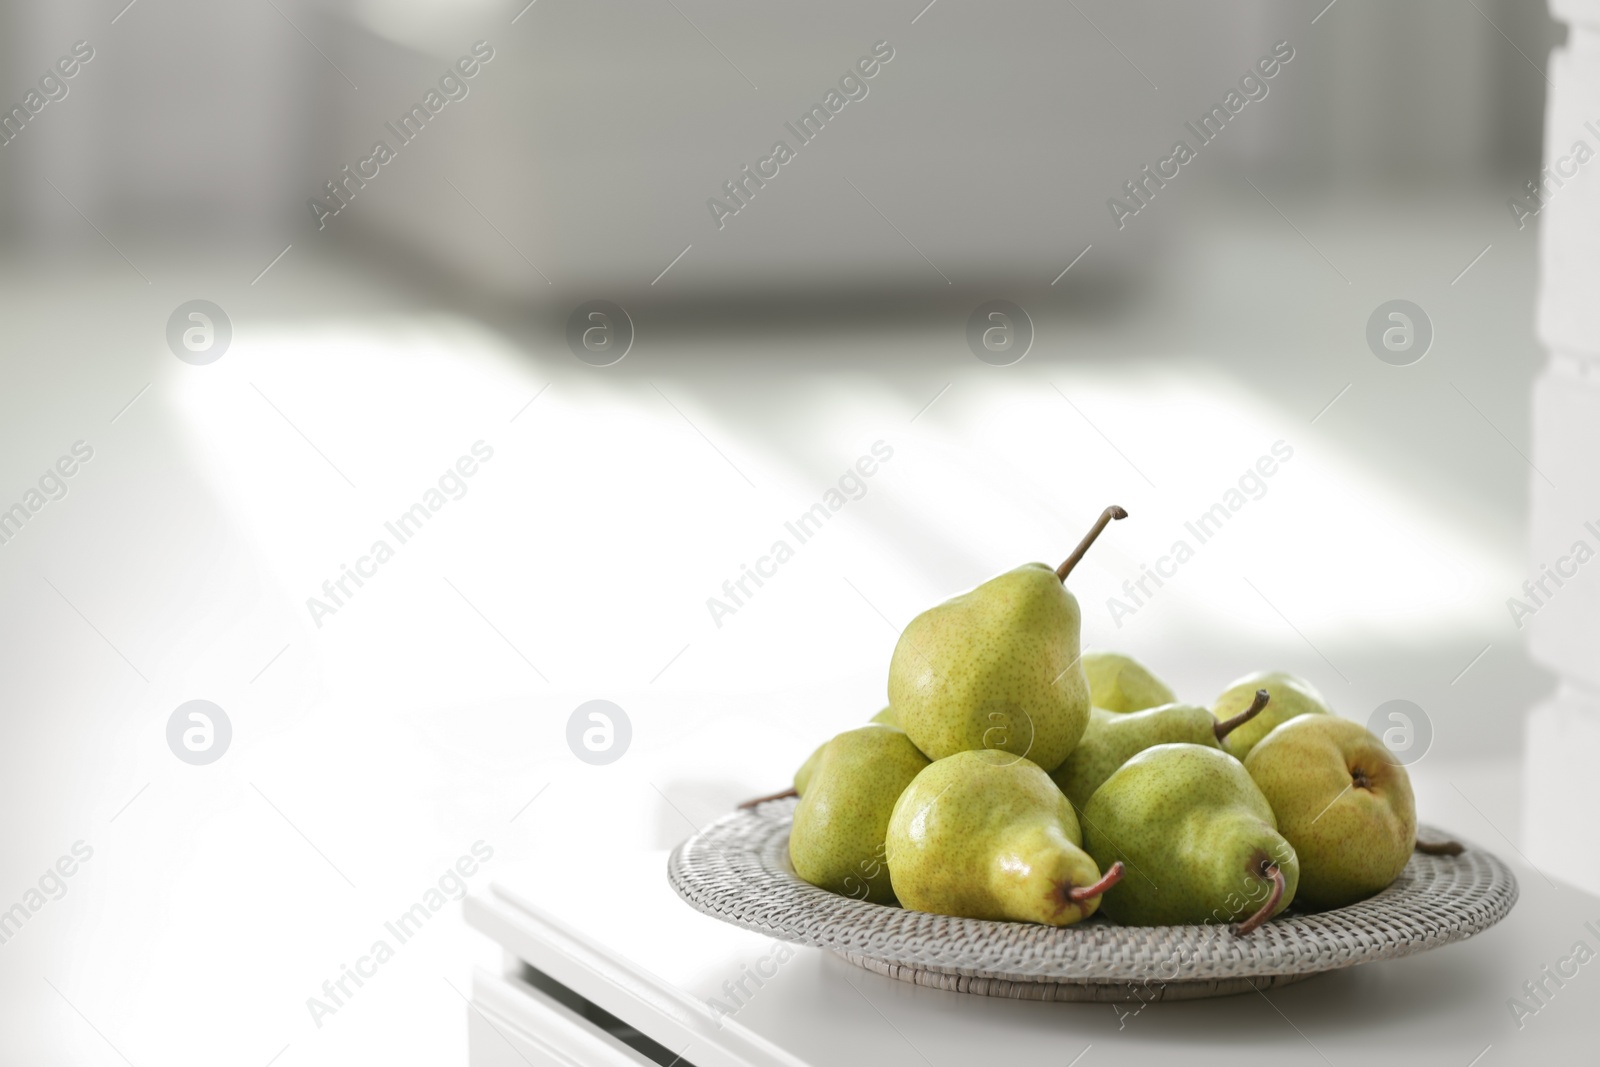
point(1112, 739)
point(998, 666)
point(1121, 683)
point(1291, 696)
point(836, 841)
point(802, 777)
point(1198, 837)
point(1344, 803)
point(986, 835)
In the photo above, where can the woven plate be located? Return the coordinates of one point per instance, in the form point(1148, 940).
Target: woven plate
point(737, 869)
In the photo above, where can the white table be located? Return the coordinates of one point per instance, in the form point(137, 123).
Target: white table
point(612, 940)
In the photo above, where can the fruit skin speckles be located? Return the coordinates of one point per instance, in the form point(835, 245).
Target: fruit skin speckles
point(1343, 802)
point(1290, 695)
point(1113, 739)
point(999, 666)
point(986, 835)
point(1195, 824)
point(837, 840)
point(1120, 683)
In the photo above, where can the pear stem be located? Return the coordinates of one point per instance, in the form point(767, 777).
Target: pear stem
point(790, 792)
point(1270, 906)
point(1441, 848)
point(1227, 726)
point(1113, 512)
point(1113, 875)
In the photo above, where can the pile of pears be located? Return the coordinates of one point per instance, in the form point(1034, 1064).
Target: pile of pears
point(1014, 777)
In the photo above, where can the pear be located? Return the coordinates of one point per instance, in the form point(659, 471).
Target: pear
point(998, 666)
point(1198, 837)
point(986, 835)
point(1112, 739)
point(1344, 803)
point(1121, 683)
point(837, 838)
point(1291, 696)
point(803, 775)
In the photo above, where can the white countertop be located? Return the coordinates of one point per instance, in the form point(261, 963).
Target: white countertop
point(613, 930)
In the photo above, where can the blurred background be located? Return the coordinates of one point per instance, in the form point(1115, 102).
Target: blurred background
point(375, 316)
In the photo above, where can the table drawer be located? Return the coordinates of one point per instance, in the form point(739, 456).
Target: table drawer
point(512, 1024)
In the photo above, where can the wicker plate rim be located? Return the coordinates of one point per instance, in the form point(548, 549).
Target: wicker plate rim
point(736, 869)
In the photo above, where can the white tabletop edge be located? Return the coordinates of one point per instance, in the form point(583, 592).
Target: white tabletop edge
point(670, 1016)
